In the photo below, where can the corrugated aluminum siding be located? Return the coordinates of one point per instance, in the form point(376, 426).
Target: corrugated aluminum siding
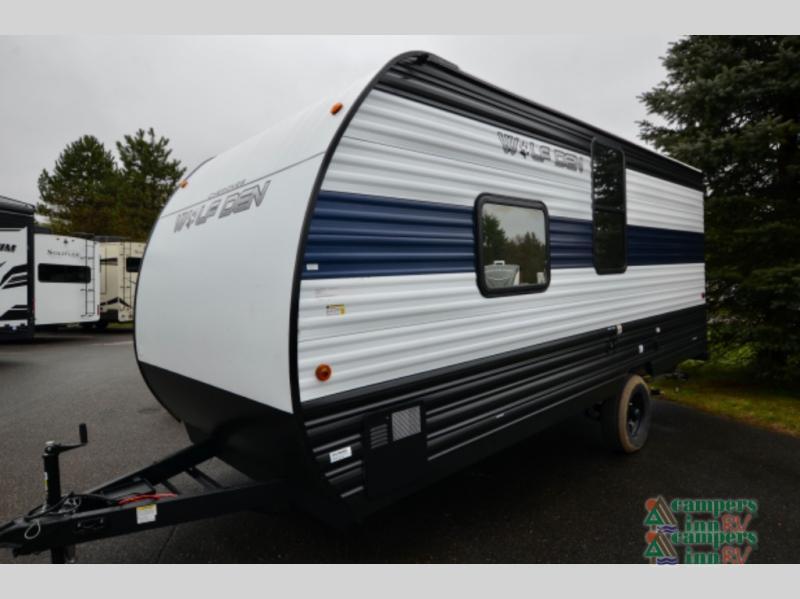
point(378, 328)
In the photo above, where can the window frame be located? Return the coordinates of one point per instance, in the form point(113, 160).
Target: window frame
point(492, 198)
point(47, 265)
point(128, 260)
point(610, 271)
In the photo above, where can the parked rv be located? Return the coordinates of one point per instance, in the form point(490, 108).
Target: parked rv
point(470, 267)
point(120, 261)
point(66, 290)
point(16, 269)
point(401, 280)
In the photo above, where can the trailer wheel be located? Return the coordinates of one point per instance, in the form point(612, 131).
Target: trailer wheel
point(626, 418)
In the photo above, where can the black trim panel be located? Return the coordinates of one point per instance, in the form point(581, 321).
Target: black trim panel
point(253, 437)
point(474, 409)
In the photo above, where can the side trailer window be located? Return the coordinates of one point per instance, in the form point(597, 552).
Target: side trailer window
point(132, 264)
point(513, 250)
point(61, 273)
point(608, 208)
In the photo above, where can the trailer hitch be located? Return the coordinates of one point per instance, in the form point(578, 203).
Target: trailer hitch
point(140, 500)
point(52, 485)
point(52, 469)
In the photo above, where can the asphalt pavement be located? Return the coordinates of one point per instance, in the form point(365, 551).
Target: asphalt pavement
point(558, 497)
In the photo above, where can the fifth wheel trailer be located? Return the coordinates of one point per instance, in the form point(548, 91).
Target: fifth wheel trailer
point(16, 269)
point(120, 261)
point(66, 289)
point(395, 283)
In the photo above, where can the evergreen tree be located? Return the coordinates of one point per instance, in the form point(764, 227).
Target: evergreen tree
point(731, 106)
point(494, 239)
point(79, 195)
point(148, 176)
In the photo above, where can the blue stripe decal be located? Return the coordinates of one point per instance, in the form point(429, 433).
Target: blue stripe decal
point(649, 245)
point(570, 243)
point(354, 235)
point(357, 236)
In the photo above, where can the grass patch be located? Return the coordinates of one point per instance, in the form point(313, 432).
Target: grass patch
point(733, 392)
point(120, 326)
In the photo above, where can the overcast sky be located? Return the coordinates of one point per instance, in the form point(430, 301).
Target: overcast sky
point(209, 93)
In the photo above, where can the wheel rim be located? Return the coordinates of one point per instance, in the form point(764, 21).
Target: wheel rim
point(635, 413)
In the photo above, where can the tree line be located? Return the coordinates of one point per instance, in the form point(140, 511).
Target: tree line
point(730, 105)
point(525, 251)
point(90, 191)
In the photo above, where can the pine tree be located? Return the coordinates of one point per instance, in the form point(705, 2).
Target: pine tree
point(731, 106)
point(148, 176)
point(79, 195)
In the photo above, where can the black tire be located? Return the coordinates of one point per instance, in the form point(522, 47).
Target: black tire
point(626, 418)
point(101, 325)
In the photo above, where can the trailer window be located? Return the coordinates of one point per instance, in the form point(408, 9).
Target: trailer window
point(64, 273)
point(608, 208)
point(513, 252)
point(133, 264)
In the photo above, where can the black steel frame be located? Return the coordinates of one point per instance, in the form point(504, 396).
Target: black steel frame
point(112, 509)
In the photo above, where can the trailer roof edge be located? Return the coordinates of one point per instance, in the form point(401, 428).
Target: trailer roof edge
point(12, 205)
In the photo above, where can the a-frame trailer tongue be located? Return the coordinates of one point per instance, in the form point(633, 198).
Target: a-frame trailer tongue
point(141, 500)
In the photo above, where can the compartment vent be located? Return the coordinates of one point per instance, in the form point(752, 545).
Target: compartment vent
point(378, 436)
point(406, 423)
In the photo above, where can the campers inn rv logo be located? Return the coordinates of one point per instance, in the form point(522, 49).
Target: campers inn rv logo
point(714, 531)
point(232, 199)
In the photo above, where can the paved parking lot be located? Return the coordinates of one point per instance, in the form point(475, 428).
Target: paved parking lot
point(559, 497)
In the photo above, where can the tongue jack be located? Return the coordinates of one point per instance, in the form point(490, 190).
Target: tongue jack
point(52, 483)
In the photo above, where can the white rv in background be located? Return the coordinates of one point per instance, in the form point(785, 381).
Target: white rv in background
point(119, 271)
point(16, 260)
point(66, 269)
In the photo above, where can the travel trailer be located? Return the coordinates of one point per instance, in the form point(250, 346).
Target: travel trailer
point(16, 269)
point(66, 288)
point(119, 269)
point(399, 281)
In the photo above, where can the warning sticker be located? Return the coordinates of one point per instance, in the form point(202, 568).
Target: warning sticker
point(146, 513)
point(334, 309)
point(341, 454)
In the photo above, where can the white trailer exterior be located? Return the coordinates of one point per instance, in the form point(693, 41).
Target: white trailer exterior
point(66, 289)
point(16, 269)
point(119, 270)
point(327, 297)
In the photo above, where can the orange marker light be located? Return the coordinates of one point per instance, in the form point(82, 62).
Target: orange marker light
point(323, 372)
point(336, 107)
point(184, 183)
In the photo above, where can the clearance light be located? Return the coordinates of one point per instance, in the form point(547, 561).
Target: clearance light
point(323, 372)
point(336, 107)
